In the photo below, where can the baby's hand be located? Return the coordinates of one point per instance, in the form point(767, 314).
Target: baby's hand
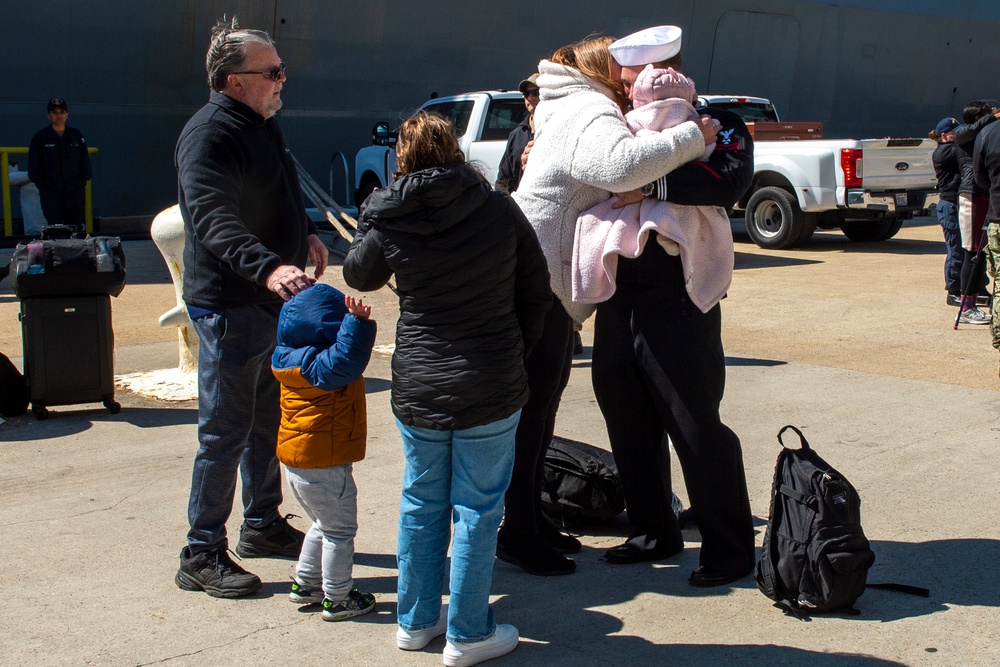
point(357, 307)
point(626, 198)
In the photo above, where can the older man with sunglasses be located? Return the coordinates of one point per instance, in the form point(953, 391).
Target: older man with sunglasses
point(247, 242)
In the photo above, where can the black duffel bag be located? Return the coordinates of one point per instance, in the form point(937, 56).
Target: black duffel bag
point(580, 484)
point(68, 266)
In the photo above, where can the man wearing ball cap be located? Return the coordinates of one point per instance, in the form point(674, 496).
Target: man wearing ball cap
point(659, 366)
point(59, 164)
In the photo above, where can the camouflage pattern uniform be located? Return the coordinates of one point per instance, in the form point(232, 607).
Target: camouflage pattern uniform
point(993, 257)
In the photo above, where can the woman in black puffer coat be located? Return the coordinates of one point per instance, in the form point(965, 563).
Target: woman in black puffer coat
point(473, 292)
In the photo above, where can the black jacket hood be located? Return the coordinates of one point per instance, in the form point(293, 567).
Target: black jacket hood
point(428, 201)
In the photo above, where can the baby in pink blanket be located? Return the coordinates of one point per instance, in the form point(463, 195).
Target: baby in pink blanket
point(699, 234)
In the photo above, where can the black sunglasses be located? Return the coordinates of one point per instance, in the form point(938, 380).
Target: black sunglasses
point(273, 74)
point(533, 92)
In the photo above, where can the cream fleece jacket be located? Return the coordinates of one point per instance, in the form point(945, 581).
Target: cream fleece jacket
point(583, 149)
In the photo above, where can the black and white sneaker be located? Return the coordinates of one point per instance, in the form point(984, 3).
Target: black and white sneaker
point(355, 604)
point(303, 593)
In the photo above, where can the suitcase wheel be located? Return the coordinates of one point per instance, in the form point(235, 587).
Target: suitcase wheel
point(40, 412)
point(114, 407)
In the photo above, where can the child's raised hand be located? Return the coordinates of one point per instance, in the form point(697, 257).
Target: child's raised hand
point(357, 307)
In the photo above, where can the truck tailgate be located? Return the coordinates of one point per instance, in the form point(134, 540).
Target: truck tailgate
point(897, 164)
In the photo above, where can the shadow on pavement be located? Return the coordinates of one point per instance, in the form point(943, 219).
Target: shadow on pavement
point(70, 420)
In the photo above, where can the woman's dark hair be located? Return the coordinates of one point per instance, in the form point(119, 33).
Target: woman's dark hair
point(975, 110)
point(427, 140)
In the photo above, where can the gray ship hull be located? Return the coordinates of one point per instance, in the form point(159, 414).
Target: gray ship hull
point(133, 73)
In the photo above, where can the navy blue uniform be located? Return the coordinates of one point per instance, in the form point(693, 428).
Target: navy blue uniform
point(659, 370)
point(60, 166)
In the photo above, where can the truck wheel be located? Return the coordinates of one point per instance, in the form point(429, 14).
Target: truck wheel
point(865, 231)
point(773, 219)
point(369, 184)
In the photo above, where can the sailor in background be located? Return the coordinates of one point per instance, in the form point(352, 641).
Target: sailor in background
point(59, 164)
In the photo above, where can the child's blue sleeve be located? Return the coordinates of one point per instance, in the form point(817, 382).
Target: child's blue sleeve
point(343, 362)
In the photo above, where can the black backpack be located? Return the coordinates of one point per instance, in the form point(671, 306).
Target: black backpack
point(580, 484)
point(815, 557)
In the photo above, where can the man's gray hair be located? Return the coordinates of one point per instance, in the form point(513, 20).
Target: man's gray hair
point(227, 53)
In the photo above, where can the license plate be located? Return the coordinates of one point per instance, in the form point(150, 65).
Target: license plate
point(900, 199)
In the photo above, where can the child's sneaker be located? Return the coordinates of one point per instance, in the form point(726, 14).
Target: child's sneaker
point(355, 604)
point(305, 593)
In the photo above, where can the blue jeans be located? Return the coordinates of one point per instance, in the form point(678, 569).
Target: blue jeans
point(458, 476)
point(238, 416)
point(329, 497)
point(947, 215)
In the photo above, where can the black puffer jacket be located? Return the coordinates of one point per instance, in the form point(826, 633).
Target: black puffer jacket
point(473, 292)
point(949, 175)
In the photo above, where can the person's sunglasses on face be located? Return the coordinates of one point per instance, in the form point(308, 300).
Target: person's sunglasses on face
point(274, 74)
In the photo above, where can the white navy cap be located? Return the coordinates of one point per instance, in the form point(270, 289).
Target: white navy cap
point(651, 45)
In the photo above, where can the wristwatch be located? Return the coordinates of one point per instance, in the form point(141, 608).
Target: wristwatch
point(648, 189)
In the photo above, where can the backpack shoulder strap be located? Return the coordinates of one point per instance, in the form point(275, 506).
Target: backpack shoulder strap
point(902, 588)
point(802, 438)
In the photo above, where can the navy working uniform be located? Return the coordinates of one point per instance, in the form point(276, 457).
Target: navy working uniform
point(659, 370)
point(60, 166)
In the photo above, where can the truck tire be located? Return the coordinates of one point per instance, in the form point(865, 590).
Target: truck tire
point(774, 220)
point(810, 221)
point(864, 231)
point(369, 184)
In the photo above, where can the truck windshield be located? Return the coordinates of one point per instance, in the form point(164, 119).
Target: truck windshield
point(503, 116)
point(750, 112)
point(457, 111)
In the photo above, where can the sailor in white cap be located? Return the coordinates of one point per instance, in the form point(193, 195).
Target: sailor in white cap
point(651, 45)
point(659, 46)
point(641, 332)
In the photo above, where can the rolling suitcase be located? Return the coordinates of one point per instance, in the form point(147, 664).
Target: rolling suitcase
point(68, 344)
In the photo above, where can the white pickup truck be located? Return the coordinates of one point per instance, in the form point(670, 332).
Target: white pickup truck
point(865, 187)
point(483, 121)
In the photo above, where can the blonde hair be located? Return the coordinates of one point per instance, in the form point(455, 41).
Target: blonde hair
point(592, 58)
point(427, 140)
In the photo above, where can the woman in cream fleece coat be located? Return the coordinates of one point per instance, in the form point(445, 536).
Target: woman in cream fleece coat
point(583, 149)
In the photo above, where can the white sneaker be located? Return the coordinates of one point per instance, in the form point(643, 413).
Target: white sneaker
point(503, 641)
point(974, 316)
point(414, 640)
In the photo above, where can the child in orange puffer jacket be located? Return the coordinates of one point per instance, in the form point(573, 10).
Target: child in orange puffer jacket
point(325, 340)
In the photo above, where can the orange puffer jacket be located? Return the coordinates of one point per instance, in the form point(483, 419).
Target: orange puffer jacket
point(320, 428)
point(322, 351)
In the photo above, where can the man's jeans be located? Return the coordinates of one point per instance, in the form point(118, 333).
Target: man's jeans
point(330, 498)
point(238, 415)
point(460, 475)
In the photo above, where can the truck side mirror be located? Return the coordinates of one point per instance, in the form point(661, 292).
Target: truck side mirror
point(383, 136)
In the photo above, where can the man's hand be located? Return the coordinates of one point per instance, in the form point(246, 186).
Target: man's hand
point(626, 198)
point(710, 129)
point(318, 255)
point(357, 307)
point(524, 155)
point(286, 281)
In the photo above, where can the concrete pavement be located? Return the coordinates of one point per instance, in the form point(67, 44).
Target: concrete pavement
point(93, 513)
